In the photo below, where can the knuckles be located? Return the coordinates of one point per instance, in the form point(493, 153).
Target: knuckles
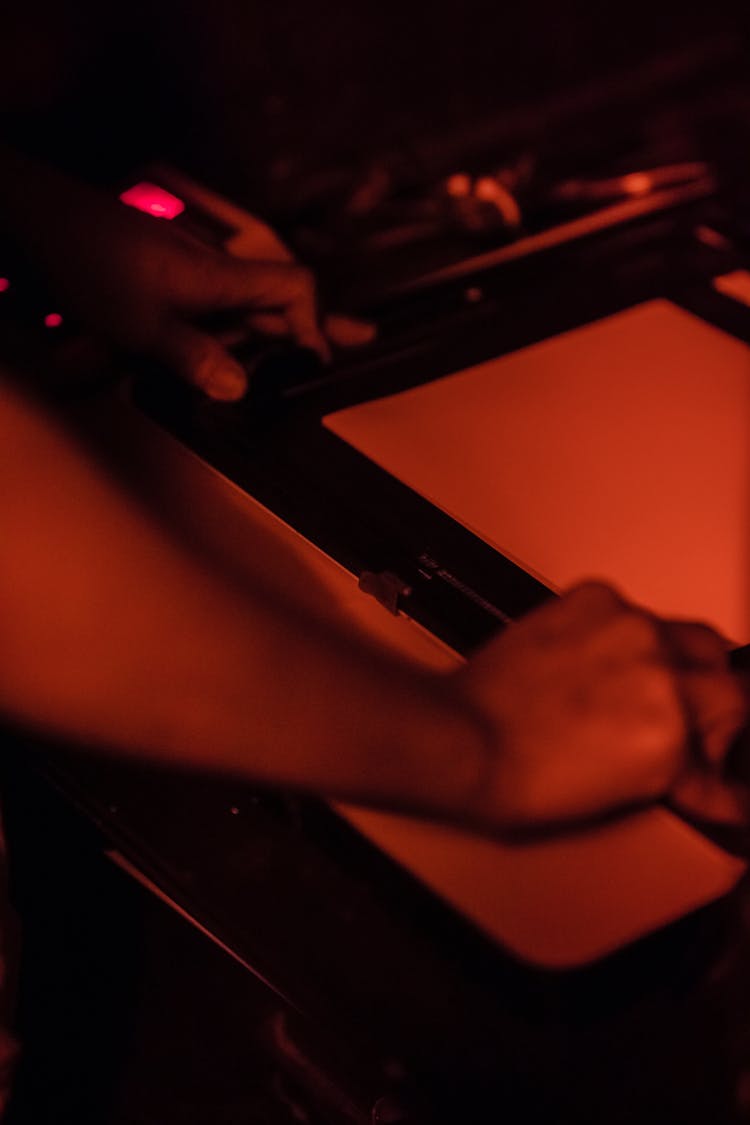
point(594, 594)
point(614, 623)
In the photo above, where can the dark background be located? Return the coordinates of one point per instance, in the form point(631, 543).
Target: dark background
point(281, 99)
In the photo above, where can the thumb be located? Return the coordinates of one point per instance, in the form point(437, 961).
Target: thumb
point(201, 360)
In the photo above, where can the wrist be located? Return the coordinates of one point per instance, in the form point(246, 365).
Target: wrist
point(449, 753)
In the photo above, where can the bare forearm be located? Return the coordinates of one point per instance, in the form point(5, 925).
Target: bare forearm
point(113, 636)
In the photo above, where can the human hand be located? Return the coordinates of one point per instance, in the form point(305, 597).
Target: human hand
point(145, 286)
point(715, 787)
point(592, 705)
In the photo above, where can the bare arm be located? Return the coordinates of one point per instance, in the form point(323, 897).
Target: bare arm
point(111, 634)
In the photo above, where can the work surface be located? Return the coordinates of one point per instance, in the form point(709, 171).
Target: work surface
point(618, 451)
point(365, 952)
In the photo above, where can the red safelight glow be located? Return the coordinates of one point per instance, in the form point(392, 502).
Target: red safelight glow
point(4, 284)
point(153, 200)
point(53, 320)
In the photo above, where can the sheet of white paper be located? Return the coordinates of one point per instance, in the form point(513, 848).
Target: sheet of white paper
point(618, 450)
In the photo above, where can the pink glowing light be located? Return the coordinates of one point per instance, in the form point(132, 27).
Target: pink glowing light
point(4, 284)
point(53, 320)
point(153, 200)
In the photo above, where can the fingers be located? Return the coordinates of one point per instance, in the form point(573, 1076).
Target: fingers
point(297, 297)
point(204, 361)
point(716, 710)
point(707, 796)
point(581, 611)
point(277, 288)
point(346, 332)
point(599, 703)
point(340, 331)
point(201, 360)
point(269, 324)
point(694, 643)
point(280, 297)
point(713, 696)
point(693, 654)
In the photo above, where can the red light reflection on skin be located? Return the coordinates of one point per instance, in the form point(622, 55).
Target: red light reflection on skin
point(4, 284)
point(459, 184)
point(53, 320)
point(638, 183)
point(491, 191)
point(153, 200)
point(487, 188)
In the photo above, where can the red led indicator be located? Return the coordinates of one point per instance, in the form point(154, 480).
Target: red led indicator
point(53, 320)
point(153, 200)
point(4, 284)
